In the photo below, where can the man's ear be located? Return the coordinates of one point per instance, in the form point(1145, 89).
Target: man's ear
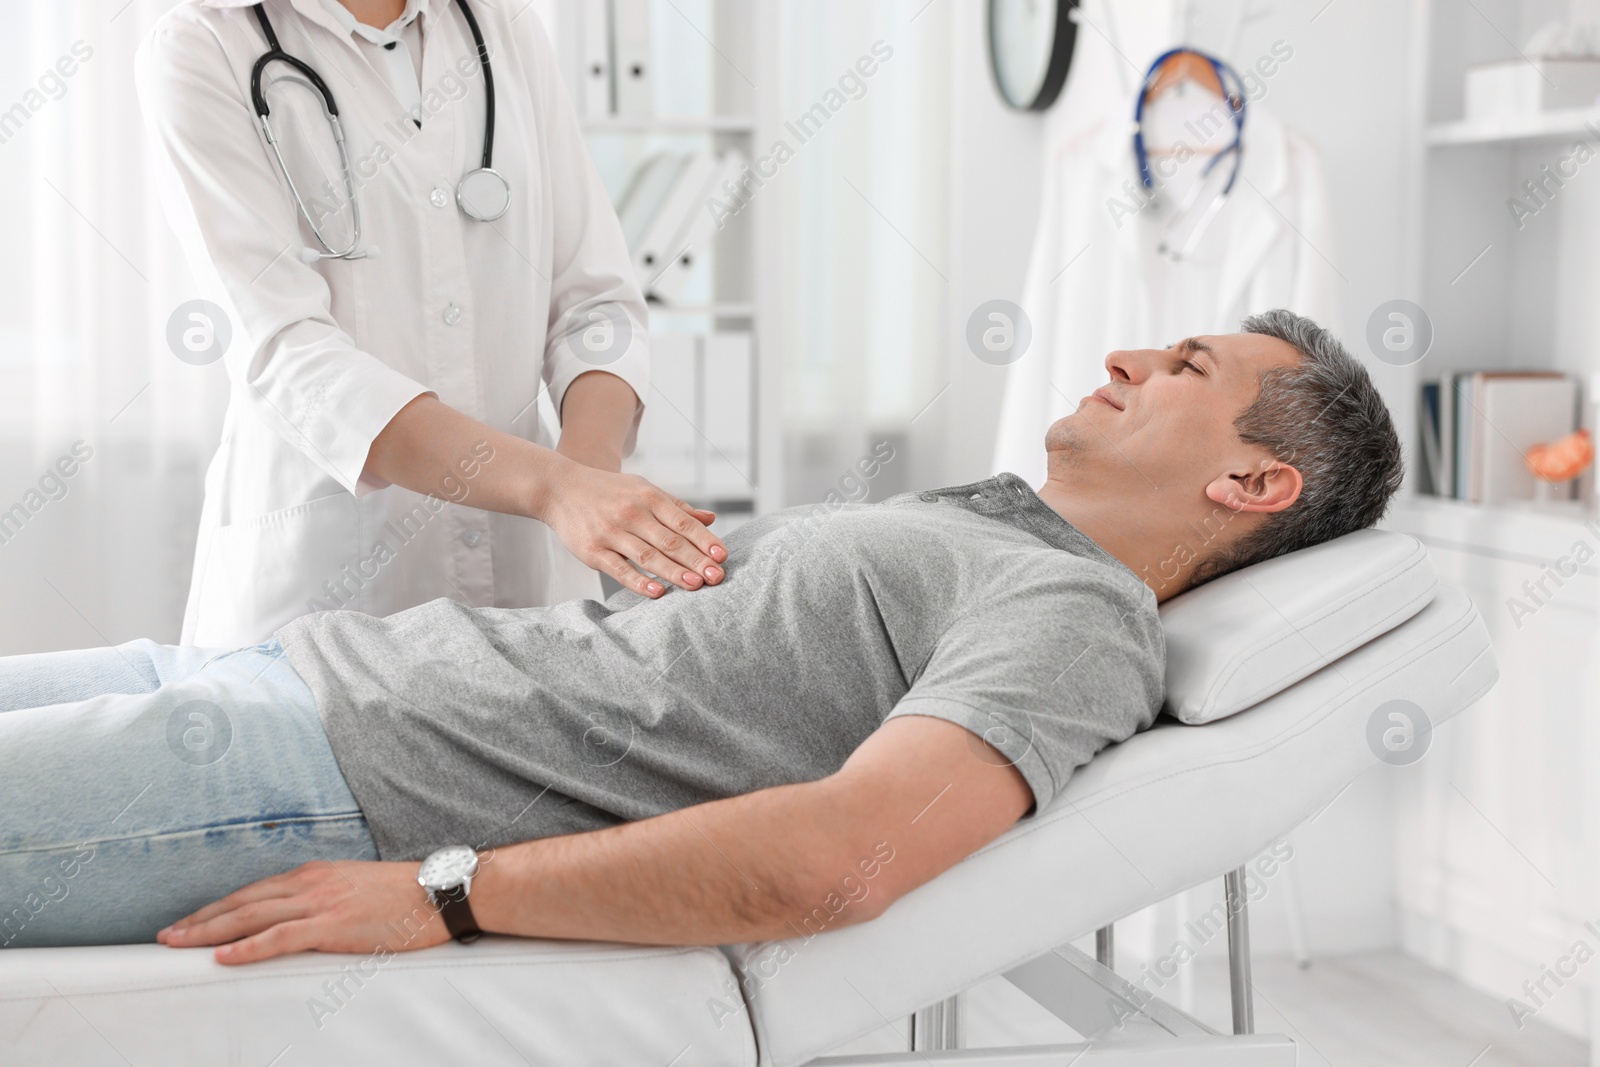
point(1272, 487)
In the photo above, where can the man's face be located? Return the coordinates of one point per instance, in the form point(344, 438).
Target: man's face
point(1166, 417)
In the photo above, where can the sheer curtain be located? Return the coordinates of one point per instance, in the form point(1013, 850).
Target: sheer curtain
point(88, 383)
point(865, 233)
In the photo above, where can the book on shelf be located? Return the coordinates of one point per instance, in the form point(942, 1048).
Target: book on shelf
point(1434, 476)
point(1477, 426)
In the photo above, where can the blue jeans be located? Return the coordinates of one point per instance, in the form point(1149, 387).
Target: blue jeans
point(142, 782)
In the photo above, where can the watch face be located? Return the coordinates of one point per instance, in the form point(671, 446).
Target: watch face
point(448, 867)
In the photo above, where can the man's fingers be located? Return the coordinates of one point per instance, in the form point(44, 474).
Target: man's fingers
point(279, 885)
point(243, 921)
point(297, 935)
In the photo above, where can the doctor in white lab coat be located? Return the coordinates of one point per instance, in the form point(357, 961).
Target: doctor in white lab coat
point(383, 445)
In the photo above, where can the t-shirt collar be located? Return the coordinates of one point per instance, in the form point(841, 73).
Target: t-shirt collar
point(1042, 520)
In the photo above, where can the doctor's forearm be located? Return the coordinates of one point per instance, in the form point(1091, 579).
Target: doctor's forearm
point(423, 446)
point(597, 413)
point(618, 524)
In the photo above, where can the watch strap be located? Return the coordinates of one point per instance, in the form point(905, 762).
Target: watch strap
point(457, 914)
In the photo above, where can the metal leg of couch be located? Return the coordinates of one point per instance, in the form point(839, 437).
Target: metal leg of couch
point(1105, 946)
point(1244, 1021)
point(940, 1026)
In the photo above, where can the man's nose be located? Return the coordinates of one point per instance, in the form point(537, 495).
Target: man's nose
point(1129, 365)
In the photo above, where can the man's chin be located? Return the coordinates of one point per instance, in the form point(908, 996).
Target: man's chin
point(1067, 435)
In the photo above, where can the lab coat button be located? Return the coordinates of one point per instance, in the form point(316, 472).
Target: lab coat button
point(452, 314)
point(439, 198)
point(471, 537)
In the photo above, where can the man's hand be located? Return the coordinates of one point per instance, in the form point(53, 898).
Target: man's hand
point(318, 907)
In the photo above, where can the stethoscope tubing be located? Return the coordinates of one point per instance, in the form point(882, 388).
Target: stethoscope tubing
point(1236, 107)
point(1235, 99)
point(330, 107)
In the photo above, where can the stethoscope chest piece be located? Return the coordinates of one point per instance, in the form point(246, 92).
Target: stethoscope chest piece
point(483, 194)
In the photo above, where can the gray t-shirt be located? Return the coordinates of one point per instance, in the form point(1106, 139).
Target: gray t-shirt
point(977, 604)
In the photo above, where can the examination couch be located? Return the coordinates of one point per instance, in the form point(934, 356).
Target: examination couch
point(1284, 681)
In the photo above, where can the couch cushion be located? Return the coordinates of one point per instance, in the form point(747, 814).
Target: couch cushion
point(549, 1001)
point(1237, 640)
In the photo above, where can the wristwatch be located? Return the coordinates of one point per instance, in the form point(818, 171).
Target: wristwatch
point(447, 876)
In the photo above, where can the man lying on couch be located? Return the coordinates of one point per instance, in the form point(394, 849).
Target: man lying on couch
point(913, 675)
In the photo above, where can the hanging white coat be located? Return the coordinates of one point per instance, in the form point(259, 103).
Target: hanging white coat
point(1096, 284)
point(325, 353)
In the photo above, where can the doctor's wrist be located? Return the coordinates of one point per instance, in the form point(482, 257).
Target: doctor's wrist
point(599, 455)
point(549, 476)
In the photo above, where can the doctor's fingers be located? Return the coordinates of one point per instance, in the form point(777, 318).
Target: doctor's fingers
point(627, 575)
point(683, 536)
point(636, 546)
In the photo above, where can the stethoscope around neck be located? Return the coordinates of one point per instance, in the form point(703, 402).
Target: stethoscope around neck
point(482, 194)
point(1235, 100)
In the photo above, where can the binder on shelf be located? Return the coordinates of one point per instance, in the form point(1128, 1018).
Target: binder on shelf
point(594, 57)
point(658, 247)
point(683, 228)
point(647, 189)
point(630, 24)
point(728, 398)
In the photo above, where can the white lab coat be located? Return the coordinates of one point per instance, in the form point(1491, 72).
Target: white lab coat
point(1093, 287)
point(324, 354)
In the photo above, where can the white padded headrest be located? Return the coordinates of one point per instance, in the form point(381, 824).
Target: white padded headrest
point(1241, 638)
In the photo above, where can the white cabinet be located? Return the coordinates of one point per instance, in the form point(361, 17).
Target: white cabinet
point(1496, 828)
point(1496, 832)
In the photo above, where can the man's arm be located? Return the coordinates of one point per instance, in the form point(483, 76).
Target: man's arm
point(747, 868)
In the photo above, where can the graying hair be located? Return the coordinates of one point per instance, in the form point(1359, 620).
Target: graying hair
point(1323, 416)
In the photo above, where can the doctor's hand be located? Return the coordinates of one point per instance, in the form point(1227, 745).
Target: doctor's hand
point(615, 523)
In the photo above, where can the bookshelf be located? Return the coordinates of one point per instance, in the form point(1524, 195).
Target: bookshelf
point(703, 55)
point(1503, 293)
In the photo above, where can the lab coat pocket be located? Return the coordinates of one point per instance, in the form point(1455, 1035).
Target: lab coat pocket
point(261, 573)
